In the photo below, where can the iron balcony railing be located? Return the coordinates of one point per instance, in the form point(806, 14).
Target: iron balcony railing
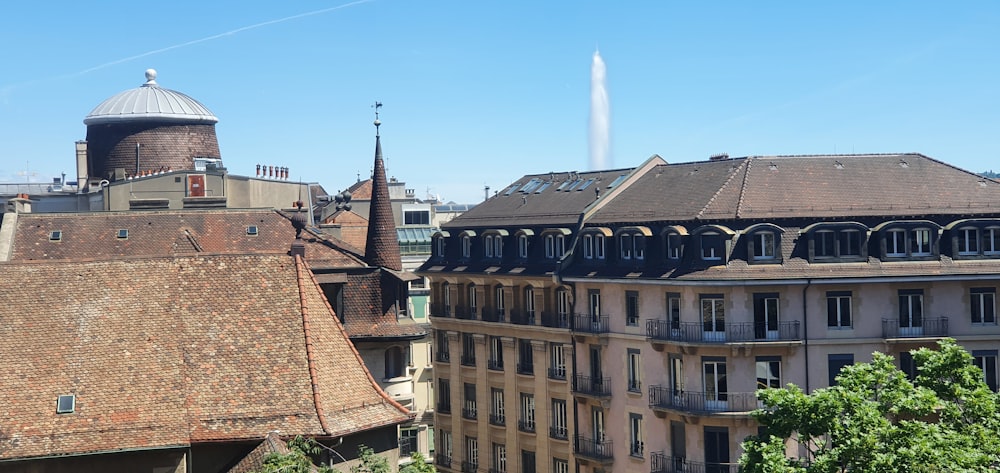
point(933, 327)
point(497, 419)
point(661, 397)
point(697, 332)
point(558, 373)
point(559, 432)
point(526, 425)
point(469, 413)
point(442, 356)
point(444, 408)
point(469, 360)
point(526, 368)
point(442, 460)
point(661, 463)
point(592, 448)
point(494, 315)
point(440, 310)
point(520, 317)
point(469, 467)
point(555, 320)
point(599, 387)
point(465, 313)
point(496, 365)
point(591, 323)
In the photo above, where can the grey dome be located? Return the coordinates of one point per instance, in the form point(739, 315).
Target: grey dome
point(150, 102)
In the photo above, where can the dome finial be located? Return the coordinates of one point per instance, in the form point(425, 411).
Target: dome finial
point(378, 123)
point(150, 77)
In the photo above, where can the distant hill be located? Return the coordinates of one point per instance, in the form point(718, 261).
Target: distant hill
point(990, 174)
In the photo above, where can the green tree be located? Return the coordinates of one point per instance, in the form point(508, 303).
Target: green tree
point(876, 420)
point(418, 465)
point(299, 459)
point(370, 462)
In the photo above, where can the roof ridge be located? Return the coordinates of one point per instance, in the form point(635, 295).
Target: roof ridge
point(743, 187)
point(310, 361)
point(721, 188)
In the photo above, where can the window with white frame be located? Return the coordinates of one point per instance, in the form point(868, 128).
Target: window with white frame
point(496, 406)
point(496, 352)
point(713, 317)
point(522, 246)
point(560, 246)
point(825, 244)
point(631, 308)
point(625, 243)
point(557, 361)
point(472, 451)
point(711, 246)
point(838, 309)
point(763, 245)
point(488, 245)
point(550, 246)
point(501, 303)
point(498, 246)
point(676, 375)
point(920, 242)
point(469, 402)
point(768, 372)
point(982, 301)
point(986, 360)
point(588, 246)
point(716, 384)
point(895, 243)
point(528, 411)
point(499, 458)
point(850, 242)
point(634, 370)
point(673, 246)
point(562, 307)
point(636, 443)
point(529, 305)
point(674, 310)
point(599, 246)
point(466, 246)
point(991, 241)
point(968, 241)
point(445, 445)
point(472, 301)
point(559, 428)
point(560, 466)
point(439, 247)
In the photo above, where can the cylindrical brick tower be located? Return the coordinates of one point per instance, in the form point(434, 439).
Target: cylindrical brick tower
point(148, 128)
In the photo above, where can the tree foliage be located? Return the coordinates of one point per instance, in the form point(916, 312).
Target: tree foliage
point(418, 465)
point(876, 420)
point(370, 462)
point(299, 459)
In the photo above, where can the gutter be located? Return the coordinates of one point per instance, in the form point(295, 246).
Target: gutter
point(806, 280)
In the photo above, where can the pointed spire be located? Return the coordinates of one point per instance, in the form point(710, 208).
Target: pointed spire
point(381, 246)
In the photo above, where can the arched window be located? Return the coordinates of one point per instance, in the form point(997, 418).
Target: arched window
point(522, 246)
point(466, 246)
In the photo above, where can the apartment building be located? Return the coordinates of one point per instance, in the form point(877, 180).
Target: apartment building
point(689, 286)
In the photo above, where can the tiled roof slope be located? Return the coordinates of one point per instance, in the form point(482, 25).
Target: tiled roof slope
point(381, 244)
point(93, 236)
point(549, 207)
point(769, 187)
point(353, 227)
point(371, 309)
point(176, 350)
point(361, 190)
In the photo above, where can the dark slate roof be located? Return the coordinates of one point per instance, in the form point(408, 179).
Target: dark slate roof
point(381, 246)
point(822, 187)
point(170, 351)
point(539, 204)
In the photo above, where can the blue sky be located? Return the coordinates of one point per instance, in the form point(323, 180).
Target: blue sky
point(479, 93)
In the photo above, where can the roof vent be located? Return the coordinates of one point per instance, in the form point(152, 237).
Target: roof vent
point(903, 163)
point(838, 165)
point(66, 404)
point(55, 235)
point(719, 157)
point(773, 167)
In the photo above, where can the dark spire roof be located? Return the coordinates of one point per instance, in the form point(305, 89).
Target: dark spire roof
point(382, 247)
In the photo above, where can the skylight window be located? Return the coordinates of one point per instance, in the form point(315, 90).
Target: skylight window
point(531, 185)
point(544, 186)
point(617, 181)
point(66, 404)
point(123, 234)
point(574, 184)
point(511, 189)
point(252, 230)
point(55, 235)
point(563, 185)
point(586, 184)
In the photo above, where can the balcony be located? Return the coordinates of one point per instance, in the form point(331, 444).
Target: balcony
point(594, 387)
point(697, 332)
point(468, 360)
point(525, 368)
point(526, 425)
point(522, 318)
point(469, 413)
point(465, 313)
point(442, 460)
point(594, 449)
point(555, 320)
point(442, 356)
point(469, 467)
point(444, 408)
point(661, 463)
point(591, 323)
point(661, 398)
point(559, 432)
point(497, 419)
point(407, 445)
point(935, 327)
point(440, 310)
point(558, 373)
point(494, 315)
point(495, 365)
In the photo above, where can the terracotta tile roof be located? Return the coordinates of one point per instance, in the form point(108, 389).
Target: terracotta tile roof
point(361, 190)
point(254, 461)
point(370, 310)
point(542, 204)
point(175, 350)
point(381, 243)
point(353, 227)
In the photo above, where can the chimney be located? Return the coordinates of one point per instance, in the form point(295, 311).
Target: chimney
point(81, 166)
point(298, 249)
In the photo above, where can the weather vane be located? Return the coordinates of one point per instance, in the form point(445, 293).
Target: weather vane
point(377, 106)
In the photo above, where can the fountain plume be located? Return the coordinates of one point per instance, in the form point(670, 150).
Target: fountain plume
point(599, 134)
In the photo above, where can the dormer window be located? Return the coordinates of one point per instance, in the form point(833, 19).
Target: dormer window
point(837, 241)
point(555, 243)
point(975, 238)
point(466, 246)
point(920, 242)
point(895, 243)
point(439, 247)
point(438, 243)
point(488, 245)
point(968, 239)
point(711, 246)
point(763, 243)
point(626, 246)
point(673, 246)
point(632, 243)
point(588, 246)
point(909, 239)
point(763, 246)
point(522, 246)
point(493, 243)
point(991, 241)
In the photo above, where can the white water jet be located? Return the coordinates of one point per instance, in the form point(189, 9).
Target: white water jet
point(600, 116)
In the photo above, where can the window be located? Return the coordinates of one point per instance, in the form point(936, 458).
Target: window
point(674, 310)
point(674, 246)
point(496, 406)
point(472, 301)
point(715, 382)
point(441, 339)
point(768, 372)
point(55, 235)
point(416, 217)
point(588, 247)
point(850, 243)
point(498, 246)
point(66, 404)
point(982, 301)
point(594, 297)
point(499, 458)
point(713, 317)
point(711, 246)
point(526, 360)
point(550, 246)
point(836, 362)
point(631, 308)
point(635, 435)
point(252, 230)
point(562, 308)
point(501, 303)
point(911, 308)
point(123, 234)
point(825, 244)
point(986, 360)
point(634, 371)
point(408, 442)
point(529, 305)
point(676, 375)
point(472, 453)
point(446, 445)
point(968, 239)
point(557, 361)
point(763, 246)
point(496, 353)
point(466, 246)
point(469, 402)
point(991, 241)
point(560, 466)
point(597, 422)
point(599, 246)
point(920, 242)
point(907, 366)
point(527, 421)
point(488, 245)
point(838, 309)
point(895, 243)
point(439, 247)
point(444, 396)
point(394, 363)
point(446, 298)
point(632, 245)
point(765, 316)
point(560, 246)
point(559, 427)
point(527, 461)
point(626, 246)
point(522, 246)
point(468, 349)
